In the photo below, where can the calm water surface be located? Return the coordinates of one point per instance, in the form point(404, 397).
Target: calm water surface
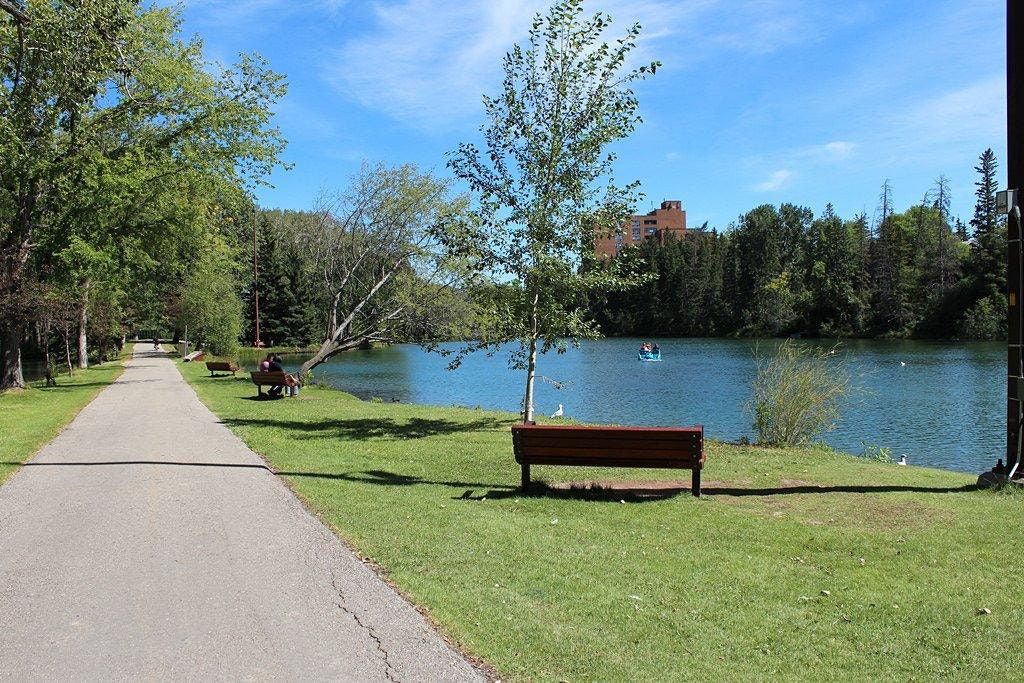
point(944, 407)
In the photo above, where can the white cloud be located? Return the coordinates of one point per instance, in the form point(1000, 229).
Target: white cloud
point(836, 151)
point(776, 181)
point(428, 62)
point(960, 117)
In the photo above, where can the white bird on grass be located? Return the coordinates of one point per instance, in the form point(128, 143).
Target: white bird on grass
point(903, 460)
point(559, 412)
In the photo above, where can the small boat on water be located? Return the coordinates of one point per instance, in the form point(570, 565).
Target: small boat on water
point(648, 356)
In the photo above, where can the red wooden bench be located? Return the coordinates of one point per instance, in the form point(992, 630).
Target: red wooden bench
point(668, 447)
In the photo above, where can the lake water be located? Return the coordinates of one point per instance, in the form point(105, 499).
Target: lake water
point(943, 408)
point(941, 404)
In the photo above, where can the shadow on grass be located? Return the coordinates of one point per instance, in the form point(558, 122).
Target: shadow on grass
point(384, 478)
point(102, 463)
point(68, 387)
point(583, 492)
point(640, 493)
point(370, 428)
point(376, 477)
point(839, 488)
point(619, 492)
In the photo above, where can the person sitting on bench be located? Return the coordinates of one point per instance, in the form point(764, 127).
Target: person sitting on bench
point(275, 366)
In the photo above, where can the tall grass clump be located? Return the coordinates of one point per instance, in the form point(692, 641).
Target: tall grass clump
point(797, 392)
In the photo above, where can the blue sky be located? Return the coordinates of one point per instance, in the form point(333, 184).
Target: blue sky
point(758, 101)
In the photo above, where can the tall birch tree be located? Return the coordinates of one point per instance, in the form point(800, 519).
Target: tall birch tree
point(543, 180)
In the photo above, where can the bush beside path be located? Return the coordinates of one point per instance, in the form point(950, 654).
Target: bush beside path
point(801, 563)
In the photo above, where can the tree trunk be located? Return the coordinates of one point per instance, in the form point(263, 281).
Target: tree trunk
point(531, 368)
point(50, 380)
point(11, 376)
point(330, 348)
point(67, 350)
point(531, 371)
point(83, 321)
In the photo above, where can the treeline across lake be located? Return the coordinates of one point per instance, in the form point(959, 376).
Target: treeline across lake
point(783, 271)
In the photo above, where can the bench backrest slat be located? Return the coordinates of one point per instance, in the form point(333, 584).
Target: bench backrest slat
point(267, 377)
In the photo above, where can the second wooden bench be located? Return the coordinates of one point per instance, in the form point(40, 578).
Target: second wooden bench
point(222, 366)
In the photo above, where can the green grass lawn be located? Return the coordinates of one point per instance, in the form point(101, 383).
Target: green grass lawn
point(31, 418)
point(796, 563)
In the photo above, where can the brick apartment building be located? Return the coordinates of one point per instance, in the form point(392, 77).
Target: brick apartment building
point(669, 219)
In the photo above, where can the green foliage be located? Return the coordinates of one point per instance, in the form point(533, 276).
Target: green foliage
point(386, 253)
point(543, 181)
point(985, 320)
point(210, 304)
point(877, 453)
point(781, 271)
point(119, 151)
point(796, 394)
point(290, 303)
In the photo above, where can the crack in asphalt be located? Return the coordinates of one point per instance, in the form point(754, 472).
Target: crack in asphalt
point(389, 672)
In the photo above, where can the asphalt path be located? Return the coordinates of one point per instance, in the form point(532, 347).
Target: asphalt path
point(147, 541)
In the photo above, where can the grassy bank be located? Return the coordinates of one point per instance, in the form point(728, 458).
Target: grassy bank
point(31, 418)
point(796, 563)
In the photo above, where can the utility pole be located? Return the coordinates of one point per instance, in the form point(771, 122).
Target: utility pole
point(1015, 178)
point(255, 279)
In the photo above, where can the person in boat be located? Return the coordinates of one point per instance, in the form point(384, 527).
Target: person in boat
point(656, 350)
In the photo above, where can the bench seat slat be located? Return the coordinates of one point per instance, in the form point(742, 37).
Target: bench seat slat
point(684, 464)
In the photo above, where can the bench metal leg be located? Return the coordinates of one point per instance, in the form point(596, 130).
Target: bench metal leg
point(526, 477)
point(695, 482)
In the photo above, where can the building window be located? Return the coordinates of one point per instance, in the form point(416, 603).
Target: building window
point(636, 232)
point(650, 231)
point(651, 222)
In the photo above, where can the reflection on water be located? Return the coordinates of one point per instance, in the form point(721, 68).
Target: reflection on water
point(941, 404)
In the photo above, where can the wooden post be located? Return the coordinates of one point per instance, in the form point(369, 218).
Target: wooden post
point(1015, 176)
point(526, 477)
point(255, 280)
point(695, 482)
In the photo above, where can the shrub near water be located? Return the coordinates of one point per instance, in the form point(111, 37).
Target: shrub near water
point(796, 394)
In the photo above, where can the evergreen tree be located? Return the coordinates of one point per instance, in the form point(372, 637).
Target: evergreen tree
point(835, 305)
point(984, 315)
point(987, 264)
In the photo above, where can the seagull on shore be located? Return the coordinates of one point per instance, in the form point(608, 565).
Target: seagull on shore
point(559, 412)
point(903, 460)
point(903, 364)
